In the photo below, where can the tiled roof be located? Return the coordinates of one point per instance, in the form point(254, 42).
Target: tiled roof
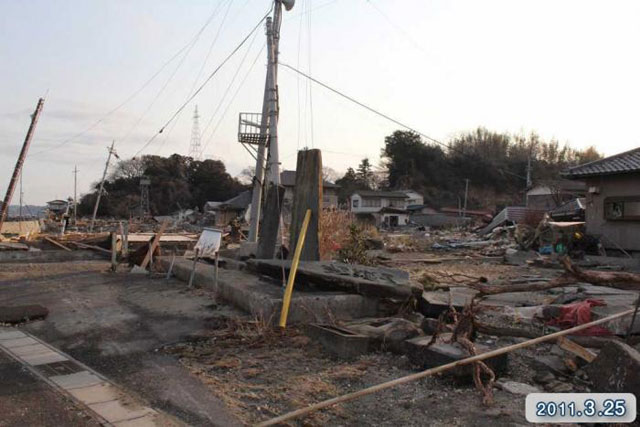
point(626, 162)
point(382, 194)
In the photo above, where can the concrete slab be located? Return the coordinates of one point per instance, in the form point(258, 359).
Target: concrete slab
point(615, 370)
point(95, 394)
point(32, 349)
point(7, 334)
point(146, 421)
point(264, 299)
point(114, 411)
point(441, 352)
point(339, 342)
point(43, 358)
point(76, 380)
point(18, 342)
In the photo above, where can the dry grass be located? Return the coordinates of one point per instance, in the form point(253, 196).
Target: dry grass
point(274, 372)
point(334, 231)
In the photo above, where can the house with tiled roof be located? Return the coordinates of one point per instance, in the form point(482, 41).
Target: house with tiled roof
point(612, 202)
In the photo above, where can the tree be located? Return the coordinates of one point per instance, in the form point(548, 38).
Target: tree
point(365, 174)
point(329, 174)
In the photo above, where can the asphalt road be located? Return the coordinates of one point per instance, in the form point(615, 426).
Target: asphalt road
point(115, 323)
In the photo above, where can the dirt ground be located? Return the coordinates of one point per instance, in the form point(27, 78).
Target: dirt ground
point(260, 373)
point(158, 339)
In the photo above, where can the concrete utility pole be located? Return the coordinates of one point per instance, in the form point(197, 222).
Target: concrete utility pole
point(104, 176)
point(466, 192)
point(18, 169)
point(75, 194)
point(269, 121)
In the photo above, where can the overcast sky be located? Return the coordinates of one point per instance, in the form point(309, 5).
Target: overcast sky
point(566, 69)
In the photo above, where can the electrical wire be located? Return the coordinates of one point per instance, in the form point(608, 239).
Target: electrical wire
point(134, 94)
point(374, 111)
point(213, 73)
point(234, 97)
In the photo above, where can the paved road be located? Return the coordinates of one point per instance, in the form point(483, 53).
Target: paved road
point(114, 323)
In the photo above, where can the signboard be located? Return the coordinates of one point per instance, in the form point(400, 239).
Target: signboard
point(209, 243)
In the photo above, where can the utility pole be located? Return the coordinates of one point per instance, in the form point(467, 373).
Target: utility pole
point(466, 193)
point(269, 121)
point(104, 176)
point(75, 194)
point(21, 196)
point(18, 169)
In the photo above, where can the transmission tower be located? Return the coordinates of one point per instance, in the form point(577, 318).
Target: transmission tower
point(195, 149)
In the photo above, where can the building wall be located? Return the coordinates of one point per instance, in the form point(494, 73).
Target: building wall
point(329, 197)
point(380, 203)
point(624, 232)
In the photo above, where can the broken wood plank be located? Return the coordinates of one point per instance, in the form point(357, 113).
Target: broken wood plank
point(572, 347)
point(573, 274)
point(94, 247)
point(154, 244)
point(307, 196)
point(58, 244)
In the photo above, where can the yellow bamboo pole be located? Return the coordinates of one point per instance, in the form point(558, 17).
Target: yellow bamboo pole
point(413, 377)
point(294, 267)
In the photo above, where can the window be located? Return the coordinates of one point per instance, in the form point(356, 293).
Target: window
point(622, 208)
point(371, 203)
point(396, 203)
point(355, 203)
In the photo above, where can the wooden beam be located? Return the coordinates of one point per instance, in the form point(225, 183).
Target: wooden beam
point(307, 196)
point(577, 349)
point(58, 244)
point(94, 247)
point(154, 244)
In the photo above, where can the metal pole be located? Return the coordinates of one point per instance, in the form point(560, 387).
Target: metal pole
point(104, 176)
point(18, 169)
point(75, 194)
point(258, 180)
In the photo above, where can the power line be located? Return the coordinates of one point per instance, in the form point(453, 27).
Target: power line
point(215, 129)
point(135, 93)
point(399, 123)
point(215, 71)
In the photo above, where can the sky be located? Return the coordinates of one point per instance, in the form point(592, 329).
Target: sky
point(120, 69)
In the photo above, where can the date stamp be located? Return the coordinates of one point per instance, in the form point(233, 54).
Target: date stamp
point(581, 407)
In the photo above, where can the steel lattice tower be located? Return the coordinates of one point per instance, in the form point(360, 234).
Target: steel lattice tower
point(195, 149)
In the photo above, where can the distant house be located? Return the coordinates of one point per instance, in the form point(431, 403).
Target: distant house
point(613, 198)
point(227, 211)
point(329, 190)
point(553, 194)
point(383, 208)
point(57, 208)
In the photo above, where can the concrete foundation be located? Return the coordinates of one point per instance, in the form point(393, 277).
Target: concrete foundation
point(263, 299)
point(50, 256)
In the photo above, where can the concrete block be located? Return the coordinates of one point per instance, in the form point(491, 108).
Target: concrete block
point(339, 342)
point(43, 358)
point(115, 411)
point(95, 394)
point(264, 299)
point(616, 369)
point(26, 350)
point(19, 342)
point(150, 420)
point(8, 334)
point(77, 380)
point(441, 353)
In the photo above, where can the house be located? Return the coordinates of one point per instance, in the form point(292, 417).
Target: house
point(553, 194)
point(227, 211)
point(612, 209)
point(383, 208)
point(57, 207)
point(329, 190)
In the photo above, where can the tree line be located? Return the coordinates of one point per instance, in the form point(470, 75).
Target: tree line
point(495, 164)
point(177, 182)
